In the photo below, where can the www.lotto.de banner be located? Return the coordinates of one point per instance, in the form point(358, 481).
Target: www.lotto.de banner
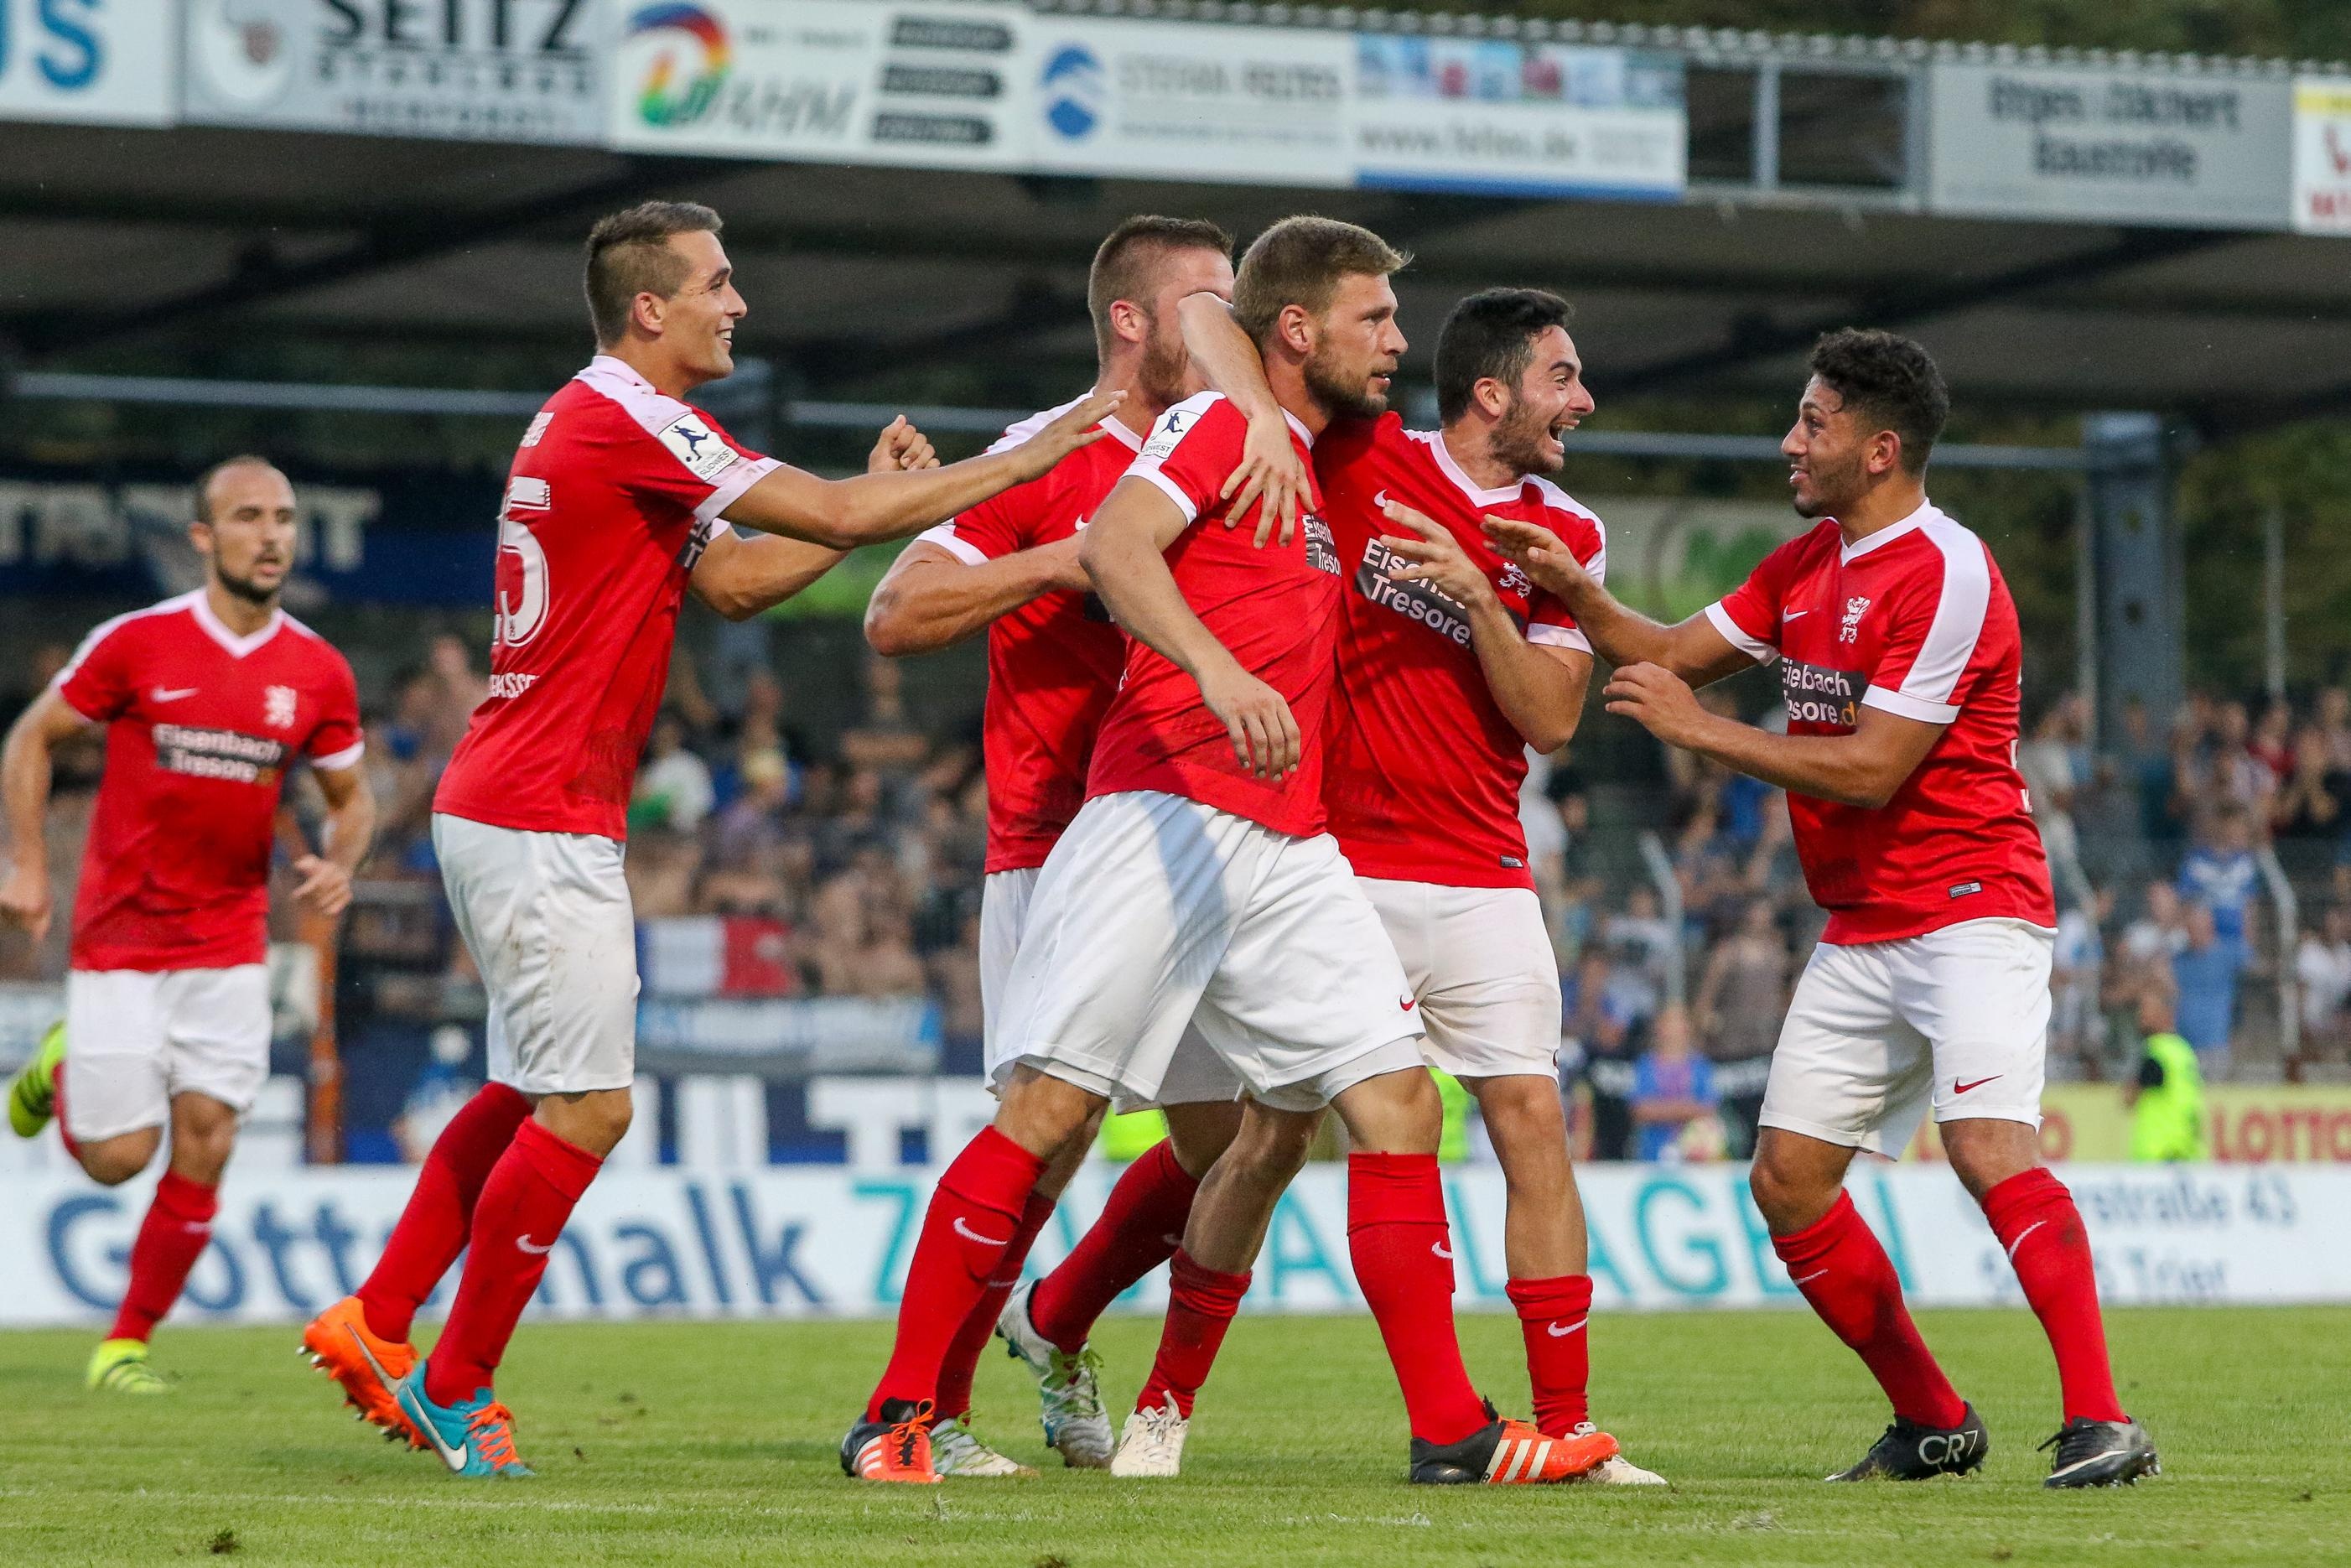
point(803, 1243)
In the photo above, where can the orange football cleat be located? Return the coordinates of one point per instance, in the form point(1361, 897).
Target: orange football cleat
point(897, 1448)
point(369, 1366)
point(1511, 1454)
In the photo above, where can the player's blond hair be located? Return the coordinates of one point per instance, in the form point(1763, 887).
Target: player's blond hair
point(629, 254)
point(1300, 261)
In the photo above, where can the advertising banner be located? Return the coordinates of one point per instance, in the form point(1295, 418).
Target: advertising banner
point(108, 64)
point(2322, 155)
point(486, 70)
point(2133, 147)
point(800, 1243)
point(842, 81)
point(1170, 101)
point(1495, 118)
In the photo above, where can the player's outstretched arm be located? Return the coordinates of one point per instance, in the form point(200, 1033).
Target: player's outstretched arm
point(1539, 689)
point(326, 873)
point(1270, 466)
point(740, 577)
point(1862, 768)
point(930, 599)
point(842, 514)
point(1694, 649)
point(25, 772)
point(1125, 552)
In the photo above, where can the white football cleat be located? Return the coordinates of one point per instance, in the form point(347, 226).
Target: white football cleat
point(1152, 1444)
point(954, 1451)
point(1618, 1471)
point(1069, 1396)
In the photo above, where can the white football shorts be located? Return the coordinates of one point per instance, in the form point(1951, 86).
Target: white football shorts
point(1879, 1031)
point(1482, 969)
point(547, 918)
point(1155, 911)
point(134, 1038)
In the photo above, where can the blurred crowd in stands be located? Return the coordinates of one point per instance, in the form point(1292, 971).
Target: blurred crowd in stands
point(856, 858)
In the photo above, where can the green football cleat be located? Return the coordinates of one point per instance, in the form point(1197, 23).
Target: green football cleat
point(120, 1366)
point(33, 1097)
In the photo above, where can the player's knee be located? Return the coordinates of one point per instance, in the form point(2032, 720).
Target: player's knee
point(1270, 1149)
point(1785, 1199)
point(1201, 1134)
point(117, 1160)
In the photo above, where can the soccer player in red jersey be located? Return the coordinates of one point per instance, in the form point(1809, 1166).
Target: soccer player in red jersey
point(1010, 565)
point(1452, 663)
point(207, 700)
point(617, 504)
point(1196, 886)
point(1900, 661)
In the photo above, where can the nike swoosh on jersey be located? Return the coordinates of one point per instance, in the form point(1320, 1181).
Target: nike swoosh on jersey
point(163, 694)
point(969, 1234)
point(536, 1249)
point(1795, 616)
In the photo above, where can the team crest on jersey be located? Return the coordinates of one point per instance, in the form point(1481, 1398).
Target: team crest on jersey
point(1855, 608)
point(278, 706)
point(1514, 581)
point(698, 446)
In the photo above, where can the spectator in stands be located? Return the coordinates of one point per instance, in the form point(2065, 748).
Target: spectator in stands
point(752, 825)
point(440, 1091)
point(2205, 972)
point(2219, 872)
point(2166, 1094)
point(1673, 1093)
point(954, 980)
point(2311, 803)
point(1600, 1044)
point(460, 689)
point(663, 869)
point(2271, 744)
point(859, 947)
point(1741, 1000)
point(2054, 770)
point(1644, 941)
point(673, 785)
point(2076, 1026)
point(2321, 963)
point(885, 739)
point(2335, 723)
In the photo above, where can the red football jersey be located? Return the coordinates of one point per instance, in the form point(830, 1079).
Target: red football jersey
point(614, 493)
point(1914, 620)
point(1275, 609)
point(201, 725)
point(1422, 782)
point(1054, 662)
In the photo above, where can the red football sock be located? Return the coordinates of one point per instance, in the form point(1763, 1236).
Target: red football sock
point(1551, 1317)
point(1403, 1256)
point(954, 1397)
point(1200, 1307)
point(1138, 1229)
point(440, 1213)
point(974, 1213)
point(2036, 1219)
point(525, 1203)
point(179, 1224)
point(1837, 1263)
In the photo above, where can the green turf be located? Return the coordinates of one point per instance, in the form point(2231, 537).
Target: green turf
point(687, 1443)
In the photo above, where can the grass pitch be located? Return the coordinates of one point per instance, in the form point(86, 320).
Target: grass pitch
point(691, 1443)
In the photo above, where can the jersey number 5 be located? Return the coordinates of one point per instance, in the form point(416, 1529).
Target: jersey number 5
point(521, 589)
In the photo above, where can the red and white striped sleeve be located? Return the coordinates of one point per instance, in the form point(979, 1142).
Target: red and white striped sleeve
point(1930, 666)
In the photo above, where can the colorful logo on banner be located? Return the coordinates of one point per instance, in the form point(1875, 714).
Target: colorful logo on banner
point(1075, 86)
point(665, 99)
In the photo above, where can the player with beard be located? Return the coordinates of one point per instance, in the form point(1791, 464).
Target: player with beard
point(1452, 663)
point(1010, 565)
point(1901, 662)
point(1196, 886)
point(208, 699)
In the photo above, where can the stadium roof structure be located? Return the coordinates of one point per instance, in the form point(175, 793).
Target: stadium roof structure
point(168, 241)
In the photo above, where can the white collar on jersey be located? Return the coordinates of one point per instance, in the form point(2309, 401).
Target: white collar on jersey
point(1119, 431)
point(1298, 427)
point(1434, 441)
point(1928, 512)
point(218, 629)
point(613, 365)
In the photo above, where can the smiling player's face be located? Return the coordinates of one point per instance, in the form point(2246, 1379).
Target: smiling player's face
point(698, 322)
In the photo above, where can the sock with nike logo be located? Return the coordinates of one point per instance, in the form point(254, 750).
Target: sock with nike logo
point(439, 1214)
point(1139, 1227)
point(525, 1203)
point(178, 1225)
point(1843, 1271)
point(2041, 1230)
point(974, 1214)
point(954, 1397)
point(1552, 1315)
point(1200, 1306)
point(1403, 1256)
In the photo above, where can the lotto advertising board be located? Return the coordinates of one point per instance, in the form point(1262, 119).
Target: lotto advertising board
point(835, 1243)
point(487, 70)
point(106, 62)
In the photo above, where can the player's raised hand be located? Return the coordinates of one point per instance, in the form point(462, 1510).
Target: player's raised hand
point(24, 899)
point(900, 447)
point(1658, 700)
point(1541, 554)
point(1437, 557)
point(1273, 473)
point(325, 886)
point(1256, 719)
point(1074, 429)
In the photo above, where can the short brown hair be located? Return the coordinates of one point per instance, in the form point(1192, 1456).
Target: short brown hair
point(1300, 261)
point(1123, 261)
point(203, 512)
point(629, 255)
point(1890, 380)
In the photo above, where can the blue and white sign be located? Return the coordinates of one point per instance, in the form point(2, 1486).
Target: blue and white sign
point(108, 62)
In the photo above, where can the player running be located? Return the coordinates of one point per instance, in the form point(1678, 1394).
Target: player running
point(1010, 565)
point(617, 504)
point(1900, 659)
point(1195, 886)
point(208, 698)
point(1452, 663)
